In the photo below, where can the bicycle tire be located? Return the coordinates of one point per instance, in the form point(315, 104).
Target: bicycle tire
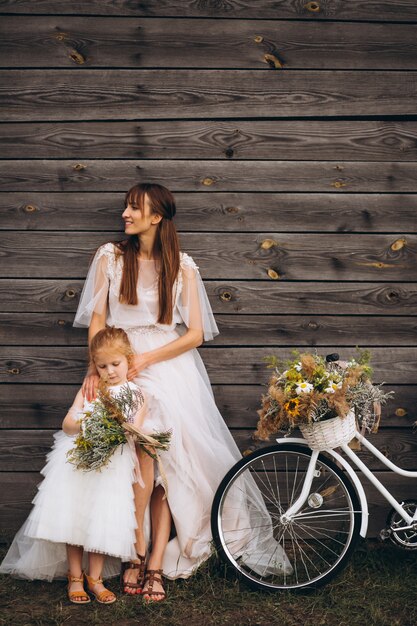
point(301, 539)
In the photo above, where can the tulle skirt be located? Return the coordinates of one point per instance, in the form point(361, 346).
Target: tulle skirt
point(202, 450)
point(95, 510)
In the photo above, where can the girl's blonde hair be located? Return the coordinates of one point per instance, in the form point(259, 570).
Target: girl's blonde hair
point(113, 338)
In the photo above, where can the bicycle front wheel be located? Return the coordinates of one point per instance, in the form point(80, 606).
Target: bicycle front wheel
point(271, 554)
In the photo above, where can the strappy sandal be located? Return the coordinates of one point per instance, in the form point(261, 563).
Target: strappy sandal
point(153, 576)
point(105, 596)
point(141, 566)
point(77, 594)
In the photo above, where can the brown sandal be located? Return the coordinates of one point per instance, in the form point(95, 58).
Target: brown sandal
point(141, 566)
point(77, 594)
point(105, 596)
point(153, 576)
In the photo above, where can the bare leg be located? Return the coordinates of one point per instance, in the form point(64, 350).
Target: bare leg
point(161, 526)
point(95, 566)
point(142, 496)
point(74, 558)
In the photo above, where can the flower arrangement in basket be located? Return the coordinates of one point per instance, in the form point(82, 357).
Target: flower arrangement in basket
point(104, 428)
point(310, 390)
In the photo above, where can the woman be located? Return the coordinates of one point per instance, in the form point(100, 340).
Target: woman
point(145, 285)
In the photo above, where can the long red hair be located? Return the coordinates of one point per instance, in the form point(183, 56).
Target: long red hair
point(166, 248)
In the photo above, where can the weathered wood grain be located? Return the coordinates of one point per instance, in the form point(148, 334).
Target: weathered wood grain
point(243, 297)
point(17, 490)
point(222, 211)
point(399, 10)
point(149, 43)
point(235, 329)
point(25, 450)
point(31, 406)
point(229, 256)
point(47, 95)
point(53, 365)
point(209, 176)
point(360, 140)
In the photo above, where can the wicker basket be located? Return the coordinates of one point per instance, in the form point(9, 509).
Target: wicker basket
point(330, 433)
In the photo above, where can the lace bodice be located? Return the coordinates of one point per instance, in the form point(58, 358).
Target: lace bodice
point(101, 291)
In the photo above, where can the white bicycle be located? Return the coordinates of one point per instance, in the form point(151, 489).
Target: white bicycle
point(317, 510)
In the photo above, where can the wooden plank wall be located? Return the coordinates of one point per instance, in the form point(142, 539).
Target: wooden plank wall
point(313, 147)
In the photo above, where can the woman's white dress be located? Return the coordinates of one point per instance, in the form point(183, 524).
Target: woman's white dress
point(95, 510)
point(180, 398)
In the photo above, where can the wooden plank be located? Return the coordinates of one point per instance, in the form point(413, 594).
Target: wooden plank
point(209, 176)
point(243, 297)
point(28, 364)
point(56, 329)
point(148, 43)
point(25, 450)
point(47, 95)
point(400, 10)
point(229, 256)
point(359, 140)
point(221, 211)
point(44, 406)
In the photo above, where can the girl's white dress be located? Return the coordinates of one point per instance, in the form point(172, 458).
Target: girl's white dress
point(95, 510)
point(180, 398)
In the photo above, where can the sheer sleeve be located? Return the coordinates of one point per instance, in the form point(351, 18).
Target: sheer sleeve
point(96, 288)
point(192, 303)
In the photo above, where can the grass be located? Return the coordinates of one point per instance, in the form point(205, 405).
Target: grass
point(378, 588)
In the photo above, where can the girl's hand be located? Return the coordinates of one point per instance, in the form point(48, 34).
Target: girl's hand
point(139, 363)
point(90, 385)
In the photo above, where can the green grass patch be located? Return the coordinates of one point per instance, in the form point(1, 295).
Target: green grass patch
point(378, 588)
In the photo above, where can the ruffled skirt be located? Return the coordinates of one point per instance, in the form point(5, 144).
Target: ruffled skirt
point(95, 510)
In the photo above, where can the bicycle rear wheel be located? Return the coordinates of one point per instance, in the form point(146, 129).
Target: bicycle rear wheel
point(303, 553)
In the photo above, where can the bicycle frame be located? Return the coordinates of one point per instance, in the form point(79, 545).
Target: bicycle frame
point(296, 506)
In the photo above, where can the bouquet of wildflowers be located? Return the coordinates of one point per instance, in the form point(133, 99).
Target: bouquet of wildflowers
point(104, 428)
point(309, 389)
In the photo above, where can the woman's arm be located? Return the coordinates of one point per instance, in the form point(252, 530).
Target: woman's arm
point(71, 426)
point(191, 339)
point(90, 383)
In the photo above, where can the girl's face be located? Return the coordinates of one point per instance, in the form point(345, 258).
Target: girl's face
point(138, 222)
point(111, 365)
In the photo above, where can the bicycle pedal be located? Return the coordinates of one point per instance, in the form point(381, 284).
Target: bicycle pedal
point(384, 534)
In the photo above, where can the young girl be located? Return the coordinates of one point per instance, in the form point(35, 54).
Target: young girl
point(79, 517)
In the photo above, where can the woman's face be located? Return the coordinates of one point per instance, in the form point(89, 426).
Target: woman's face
point(138, 222)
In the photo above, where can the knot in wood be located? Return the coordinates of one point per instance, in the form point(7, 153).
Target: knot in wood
point(61, 322)
point(79, 167)
point(268, 243)
point(314, 7)
point(273, 61)
point(14, 371)
point(312, 325)
point(226, 296)
point(400, 412)
point(208, 181)
point(273, 274)
point(258, 39)
point(338, 184)
point(232, 209)
point(70, 293)
point(393, 295)
point(77, 57)
point(29, 208)
point(229, 152)
point(398, 244)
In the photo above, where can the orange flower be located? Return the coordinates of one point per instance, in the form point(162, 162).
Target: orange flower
point(292, 407)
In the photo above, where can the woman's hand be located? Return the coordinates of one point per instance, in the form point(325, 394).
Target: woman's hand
point(90, 384)
point(139, 363)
